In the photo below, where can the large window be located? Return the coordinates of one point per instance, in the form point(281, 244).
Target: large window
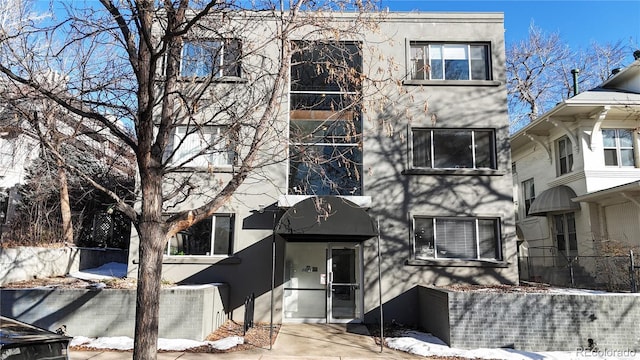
point(453, 149)
point(437, 61)
point(457, 238)
point(213, 236)
point(203, 147)
point(215, 58)
point(528, 195)
point(325, 132)
point(565, 156)
point(618, 147)
point(564, 228)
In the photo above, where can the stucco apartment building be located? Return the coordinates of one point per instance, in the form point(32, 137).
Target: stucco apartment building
point(424, 180)
point(576, 181)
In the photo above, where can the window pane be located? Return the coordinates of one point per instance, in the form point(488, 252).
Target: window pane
point(610, 157)
point(484, 149)
point(456, 62)
point(195, 240)
point(626, 156)
point(325, 170)
point(201, 147)
point(424, 244)
point(488, 239)
point(418, 63)
point(452, 149)
point(328, 66)
point(456, 239)
point(435, 59)
point(223, 235)
point(479, 64)
point(232, 55)
point(320, 118)
point(562, 148)
point(199, 58)
point(609, 138)
point(626, 137)
point(571, 229)
point(456, 70)
point(422, 148)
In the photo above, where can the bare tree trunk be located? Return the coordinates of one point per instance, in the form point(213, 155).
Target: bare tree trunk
point(152, 239)
point(65, 207)
point(148, 297)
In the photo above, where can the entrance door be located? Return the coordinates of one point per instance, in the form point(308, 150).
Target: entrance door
point(344, 295)
point(322, 282)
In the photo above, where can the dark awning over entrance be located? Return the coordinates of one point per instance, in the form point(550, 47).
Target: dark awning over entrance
point(326, 218)
point(557, 198)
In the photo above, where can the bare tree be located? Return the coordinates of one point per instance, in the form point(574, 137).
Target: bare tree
point(539, 72)
point(129, 62)
point(530, 66)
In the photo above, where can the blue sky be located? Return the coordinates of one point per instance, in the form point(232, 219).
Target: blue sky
point(578, 22)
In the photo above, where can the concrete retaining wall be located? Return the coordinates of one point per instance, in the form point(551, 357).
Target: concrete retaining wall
point(26, 263)
point(186, 312)
point(531, 321)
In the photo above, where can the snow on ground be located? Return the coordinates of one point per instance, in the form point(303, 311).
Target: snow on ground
point(126, 343)
point(428, 345)
point(413, 342)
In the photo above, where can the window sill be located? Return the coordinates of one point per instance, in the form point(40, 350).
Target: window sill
point(460, 172)
point(186, 259)
point(458, 263)
point(223, 79)
point(452, 82)
point(212, 169)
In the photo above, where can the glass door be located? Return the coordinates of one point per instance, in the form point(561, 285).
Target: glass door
point(344, 295)
point(304, 298)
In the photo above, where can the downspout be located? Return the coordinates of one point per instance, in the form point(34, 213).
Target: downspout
point(380, 292)
point(575, 73)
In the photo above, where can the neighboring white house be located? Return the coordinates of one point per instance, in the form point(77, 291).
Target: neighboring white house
point(427, 173)
point(577, 184)
point(16, 150)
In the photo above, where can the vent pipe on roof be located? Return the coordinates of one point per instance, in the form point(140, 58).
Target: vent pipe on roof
point(575, 73)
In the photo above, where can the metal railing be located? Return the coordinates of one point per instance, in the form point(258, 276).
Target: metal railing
point(249, 308)
point(612, 273)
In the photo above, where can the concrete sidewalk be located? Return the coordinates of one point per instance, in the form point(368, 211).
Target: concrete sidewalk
point(294, 341)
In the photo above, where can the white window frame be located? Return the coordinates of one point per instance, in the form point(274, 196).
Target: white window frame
point(433, 253)
point(212, 244)
point(472, 134)
point(567, 230)
point(568, 159)
point(419, 52)
point(528, 195)
point(618, 147)
point(204, 148)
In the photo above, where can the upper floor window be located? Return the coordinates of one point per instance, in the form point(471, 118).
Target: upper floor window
point(212, 236)
point(528, 194)
point(457, 238)
point(440, 61)
point(454, 148)
point(565, 156)
point(618, 147)
point(325, 128)
point(202, 147)
point(215, 58)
